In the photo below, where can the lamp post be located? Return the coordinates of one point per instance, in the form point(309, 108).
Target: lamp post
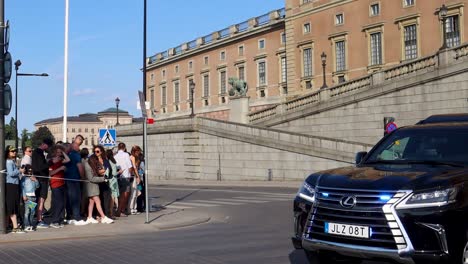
point(117, 101)
point(324, 63)
point(443, 17)
point(192, 90)
point(17, 64)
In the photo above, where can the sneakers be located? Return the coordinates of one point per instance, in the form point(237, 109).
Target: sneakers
point(106, 220)
point(91, 220)
point(56, 225)
point(72, 222)
point(42, 225)
point(80, 223)
point(17, 231)
point(29, 229)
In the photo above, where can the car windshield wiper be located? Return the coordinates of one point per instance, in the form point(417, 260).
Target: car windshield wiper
point(435, 162)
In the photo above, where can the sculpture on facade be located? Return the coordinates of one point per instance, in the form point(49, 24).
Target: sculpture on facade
point(238, 87)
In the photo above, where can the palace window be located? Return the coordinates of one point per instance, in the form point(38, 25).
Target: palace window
point(339, 19)
point(307, 62)
point(222, 82)
point(206, 85)
point(375, 9)
point(340, 53)
point(283, 69)
point(261, 73)
point(452, 27)
point(376, 48)
point(410, 42)
point(163, 95)
point(176, 92)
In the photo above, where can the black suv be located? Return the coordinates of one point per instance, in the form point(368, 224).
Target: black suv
point(406, 200)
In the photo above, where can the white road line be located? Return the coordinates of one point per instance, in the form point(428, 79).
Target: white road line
point(278, 195)
point(263, 199)
point(215, 202)
point(178, 207)
point(196, 204)
point(240, 200)
point(253, 199)
point(218, 190)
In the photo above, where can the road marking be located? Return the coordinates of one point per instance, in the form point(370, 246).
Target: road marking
point(279, 195)
point(177, 207)
point(240, 200)
point(196, 204)
point(221, 190)
point(269, 199)
point(216, 202)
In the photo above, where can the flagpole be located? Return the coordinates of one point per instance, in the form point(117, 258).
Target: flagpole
point(65, 76)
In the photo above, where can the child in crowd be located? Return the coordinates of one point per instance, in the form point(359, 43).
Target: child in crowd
point(29, 184)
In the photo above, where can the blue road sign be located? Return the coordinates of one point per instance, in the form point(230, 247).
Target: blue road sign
point(107, 137)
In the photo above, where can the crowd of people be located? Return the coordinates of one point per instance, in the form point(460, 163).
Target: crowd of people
point(86, 187)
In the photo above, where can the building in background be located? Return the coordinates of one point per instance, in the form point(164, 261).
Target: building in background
point(87, 125)
point(279, 54)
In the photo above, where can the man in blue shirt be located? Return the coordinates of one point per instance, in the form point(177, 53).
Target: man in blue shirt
point(74, 173)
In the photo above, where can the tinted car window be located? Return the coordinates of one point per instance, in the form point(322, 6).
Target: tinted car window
point(435, 144)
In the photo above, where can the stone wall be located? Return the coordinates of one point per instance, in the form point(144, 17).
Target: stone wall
point(205, 149)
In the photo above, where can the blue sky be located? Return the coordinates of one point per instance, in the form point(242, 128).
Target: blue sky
point(105, 48)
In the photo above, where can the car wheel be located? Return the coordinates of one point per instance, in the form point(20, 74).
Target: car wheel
point(328, 258)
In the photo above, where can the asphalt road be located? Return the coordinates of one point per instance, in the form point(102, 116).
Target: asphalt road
point(249, 225)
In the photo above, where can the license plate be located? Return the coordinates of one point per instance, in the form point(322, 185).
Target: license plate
point(347, 230)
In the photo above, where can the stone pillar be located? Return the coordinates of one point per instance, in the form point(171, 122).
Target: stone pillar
point(239, 109)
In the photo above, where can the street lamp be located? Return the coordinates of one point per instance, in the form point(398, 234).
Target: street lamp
point(324, 63)
point(17, 64)
point(117, 101)
point(192, 90)
point(443, 16)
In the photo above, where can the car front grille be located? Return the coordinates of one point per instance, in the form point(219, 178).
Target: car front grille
point(371, 208)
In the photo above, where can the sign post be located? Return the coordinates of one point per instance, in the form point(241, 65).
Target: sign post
point(145, 147)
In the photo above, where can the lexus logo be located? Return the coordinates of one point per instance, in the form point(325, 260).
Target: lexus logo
point(348, 201)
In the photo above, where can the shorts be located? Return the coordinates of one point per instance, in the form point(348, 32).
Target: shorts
point(125, 184)
point(43, 189)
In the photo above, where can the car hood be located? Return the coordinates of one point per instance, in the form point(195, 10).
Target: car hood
point(390, 177)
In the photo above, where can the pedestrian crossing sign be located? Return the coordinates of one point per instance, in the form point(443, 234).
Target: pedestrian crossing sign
point(107, 137)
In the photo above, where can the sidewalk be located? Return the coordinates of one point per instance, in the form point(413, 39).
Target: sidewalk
point(160, 220)
point(191, 182)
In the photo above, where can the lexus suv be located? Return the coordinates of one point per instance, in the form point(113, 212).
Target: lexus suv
point(405, 201)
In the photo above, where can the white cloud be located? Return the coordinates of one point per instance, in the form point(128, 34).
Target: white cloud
point(84, 92)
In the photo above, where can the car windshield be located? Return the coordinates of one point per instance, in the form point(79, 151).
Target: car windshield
point(439, 146)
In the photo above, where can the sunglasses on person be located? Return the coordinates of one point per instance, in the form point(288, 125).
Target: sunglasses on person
point(97, 151)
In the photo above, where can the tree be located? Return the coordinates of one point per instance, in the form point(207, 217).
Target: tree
point(25, 139)
point(39, 135)
point(10, 130)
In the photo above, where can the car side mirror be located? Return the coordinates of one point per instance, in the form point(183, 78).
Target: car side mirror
point(359, 156)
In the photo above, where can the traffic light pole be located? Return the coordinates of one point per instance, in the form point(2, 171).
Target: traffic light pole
point(2, 118)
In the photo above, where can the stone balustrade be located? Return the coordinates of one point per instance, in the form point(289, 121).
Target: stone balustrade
point(263, 113)
point(303, 101)
point(461, 51)
point(350, 86)
point(411, 67)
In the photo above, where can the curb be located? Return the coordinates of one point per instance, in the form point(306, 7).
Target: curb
point(283, 184)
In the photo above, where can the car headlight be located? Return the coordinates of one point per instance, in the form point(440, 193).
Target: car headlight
point(307, 192)
point(431, 198)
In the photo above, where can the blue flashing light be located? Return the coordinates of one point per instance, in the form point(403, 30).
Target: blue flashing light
point(325, 194)
point(385, 197)
point(370, 231)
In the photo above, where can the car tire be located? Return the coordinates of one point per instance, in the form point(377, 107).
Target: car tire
point(328, 258)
